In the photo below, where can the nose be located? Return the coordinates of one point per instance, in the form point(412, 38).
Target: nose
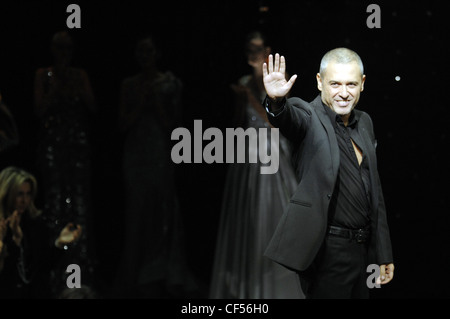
point(24, 200)
point(344, 92)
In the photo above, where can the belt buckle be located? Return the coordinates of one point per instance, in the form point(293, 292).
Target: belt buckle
point(360, 237)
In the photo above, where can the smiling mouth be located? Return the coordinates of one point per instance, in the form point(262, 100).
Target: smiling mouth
point(343, 103)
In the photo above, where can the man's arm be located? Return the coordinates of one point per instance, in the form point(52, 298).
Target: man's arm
point(290, 115)
point(384, 246)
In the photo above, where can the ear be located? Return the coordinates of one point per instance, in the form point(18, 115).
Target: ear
point(362, 82)
point(319, 82)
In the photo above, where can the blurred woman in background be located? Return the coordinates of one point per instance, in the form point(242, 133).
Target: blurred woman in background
point(27, 249)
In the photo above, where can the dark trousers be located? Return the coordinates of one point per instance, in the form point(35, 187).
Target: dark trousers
point(338, 271)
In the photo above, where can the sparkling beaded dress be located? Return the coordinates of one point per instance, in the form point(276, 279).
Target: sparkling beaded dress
point(64, 162)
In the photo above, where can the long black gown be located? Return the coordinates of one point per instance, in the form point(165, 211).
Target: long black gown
point(153, 263)
point(252, 205)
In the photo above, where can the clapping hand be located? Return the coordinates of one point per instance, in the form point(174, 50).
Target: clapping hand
point(2, 233)
point(68, 235)
point(14, 224)
point(274, 77)
point(2, 228)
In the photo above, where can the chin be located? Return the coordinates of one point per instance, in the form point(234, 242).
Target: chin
point(343, 110)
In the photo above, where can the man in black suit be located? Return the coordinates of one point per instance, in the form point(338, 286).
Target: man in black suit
point(335, 224)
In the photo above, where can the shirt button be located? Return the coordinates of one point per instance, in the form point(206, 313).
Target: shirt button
point(329, 196)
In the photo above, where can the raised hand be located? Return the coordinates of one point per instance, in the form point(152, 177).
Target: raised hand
point(274, 77)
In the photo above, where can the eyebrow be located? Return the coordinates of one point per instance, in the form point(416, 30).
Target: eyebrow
point(22, 192)
point(339, 82)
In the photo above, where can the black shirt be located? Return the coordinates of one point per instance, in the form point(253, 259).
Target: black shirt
point(350, 203)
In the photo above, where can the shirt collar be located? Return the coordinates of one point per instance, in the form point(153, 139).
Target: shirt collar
point(335, 118)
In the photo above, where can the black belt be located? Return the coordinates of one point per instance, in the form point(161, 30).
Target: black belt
point(359, 235)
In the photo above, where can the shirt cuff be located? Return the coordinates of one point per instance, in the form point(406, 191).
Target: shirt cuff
point(269, 104)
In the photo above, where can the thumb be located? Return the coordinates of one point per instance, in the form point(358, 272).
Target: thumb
point(293, 78)
point(291, 81)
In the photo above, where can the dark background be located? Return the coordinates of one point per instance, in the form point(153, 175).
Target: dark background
point(202, 43)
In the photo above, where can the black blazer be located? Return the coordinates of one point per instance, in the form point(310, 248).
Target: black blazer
point(301, 230)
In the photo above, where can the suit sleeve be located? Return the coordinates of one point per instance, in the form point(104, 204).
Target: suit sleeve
point(292, 118)
point(383, 241)
point(384, 247)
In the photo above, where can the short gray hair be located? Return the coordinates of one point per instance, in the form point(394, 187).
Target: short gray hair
point(340, 55)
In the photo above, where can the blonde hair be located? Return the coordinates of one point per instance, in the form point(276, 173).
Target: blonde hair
point(11, 178)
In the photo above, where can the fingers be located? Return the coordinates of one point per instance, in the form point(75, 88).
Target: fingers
point(386, 274)
point(274, 66)
point(77, 231)
point(382, 276)
point(387, 280)
point(13, 219)
point(389, 273)
point(270, 63)
point(2, 228)
point(282, 64)
point(277, 63)
point(265, 73)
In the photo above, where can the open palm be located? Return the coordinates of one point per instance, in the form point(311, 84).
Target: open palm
point(274, 77)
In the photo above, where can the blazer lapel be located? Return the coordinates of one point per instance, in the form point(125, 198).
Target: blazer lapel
point(326, 123)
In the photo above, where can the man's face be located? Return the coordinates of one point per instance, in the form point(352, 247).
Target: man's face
point(341, 86)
